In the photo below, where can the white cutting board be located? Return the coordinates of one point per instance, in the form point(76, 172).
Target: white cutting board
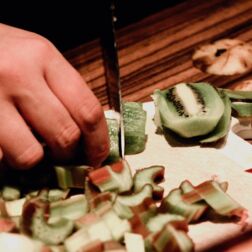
point(197, 164)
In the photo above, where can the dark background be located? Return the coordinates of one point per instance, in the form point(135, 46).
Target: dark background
point(70, 23)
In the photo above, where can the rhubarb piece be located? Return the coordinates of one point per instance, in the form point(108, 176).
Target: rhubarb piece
point(10, 193)
point(171, 239)
point(92, 246)
point(71, 176)
point(219, 201)
point(93, 228)
point(174, 203)
point(77, 240)
point(157, 222)
point(134, 242)
point(123, 211)
point(135, 199)
point(101, 199)
point(113, 129)
point(113, 246)
point(150, 175)
point(71, 208)
point(34, 222)
point(115, 177)
point(134, 120)
point(116, 225)
point(7, 225)
point(139, 203)
point(138, 226)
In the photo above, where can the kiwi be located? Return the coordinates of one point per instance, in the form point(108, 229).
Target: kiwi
point(222, 128)
point(188, 109)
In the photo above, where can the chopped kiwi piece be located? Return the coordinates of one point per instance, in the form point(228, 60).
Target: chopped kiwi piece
point(237, 94)
point(222, 128)
point(242, 109)
point(150, 175)
point(113, 128)
point(188, 109)
point(134, 120)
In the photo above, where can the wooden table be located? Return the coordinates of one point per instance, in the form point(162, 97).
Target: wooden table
point(156, 53)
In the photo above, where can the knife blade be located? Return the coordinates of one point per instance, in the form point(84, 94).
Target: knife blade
point(111, 65)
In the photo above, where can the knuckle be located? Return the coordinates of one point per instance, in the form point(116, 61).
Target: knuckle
point(29, 157)
point(68, 136)
point(41, 46)
point(91, 118)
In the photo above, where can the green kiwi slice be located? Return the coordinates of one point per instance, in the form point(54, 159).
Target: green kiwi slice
point(188, 109)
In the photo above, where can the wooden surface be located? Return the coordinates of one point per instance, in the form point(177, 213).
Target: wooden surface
point(156, 53)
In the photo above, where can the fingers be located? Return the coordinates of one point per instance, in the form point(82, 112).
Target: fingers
point(18, 145)
point(46, 114)
point(83, 106)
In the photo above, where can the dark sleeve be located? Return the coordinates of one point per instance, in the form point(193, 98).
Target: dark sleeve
point(71, 23)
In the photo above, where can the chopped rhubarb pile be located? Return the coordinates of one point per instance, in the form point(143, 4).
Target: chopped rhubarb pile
point(118, 211)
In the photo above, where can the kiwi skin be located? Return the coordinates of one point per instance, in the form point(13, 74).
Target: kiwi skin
point(172, 109)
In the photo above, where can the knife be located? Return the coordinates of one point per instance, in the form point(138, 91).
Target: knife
point(111, 65)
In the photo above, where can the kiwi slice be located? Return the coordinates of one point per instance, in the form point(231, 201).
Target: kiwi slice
point(188, 109)
point(222, 128)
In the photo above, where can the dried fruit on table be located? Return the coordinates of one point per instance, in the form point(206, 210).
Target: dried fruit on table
point(224, 57)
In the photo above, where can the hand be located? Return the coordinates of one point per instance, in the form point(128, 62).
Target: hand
point(41, 92)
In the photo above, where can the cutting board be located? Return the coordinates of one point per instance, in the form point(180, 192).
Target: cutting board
point(227, 162)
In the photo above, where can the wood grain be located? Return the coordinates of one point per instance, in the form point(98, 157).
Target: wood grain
point(156, 51)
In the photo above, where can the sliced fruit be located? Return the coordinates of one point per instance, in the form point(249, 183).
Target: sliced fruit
point(134, 119)
point(188, 109)
point(242, 109)
point(222, 128)
point(113, 128)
